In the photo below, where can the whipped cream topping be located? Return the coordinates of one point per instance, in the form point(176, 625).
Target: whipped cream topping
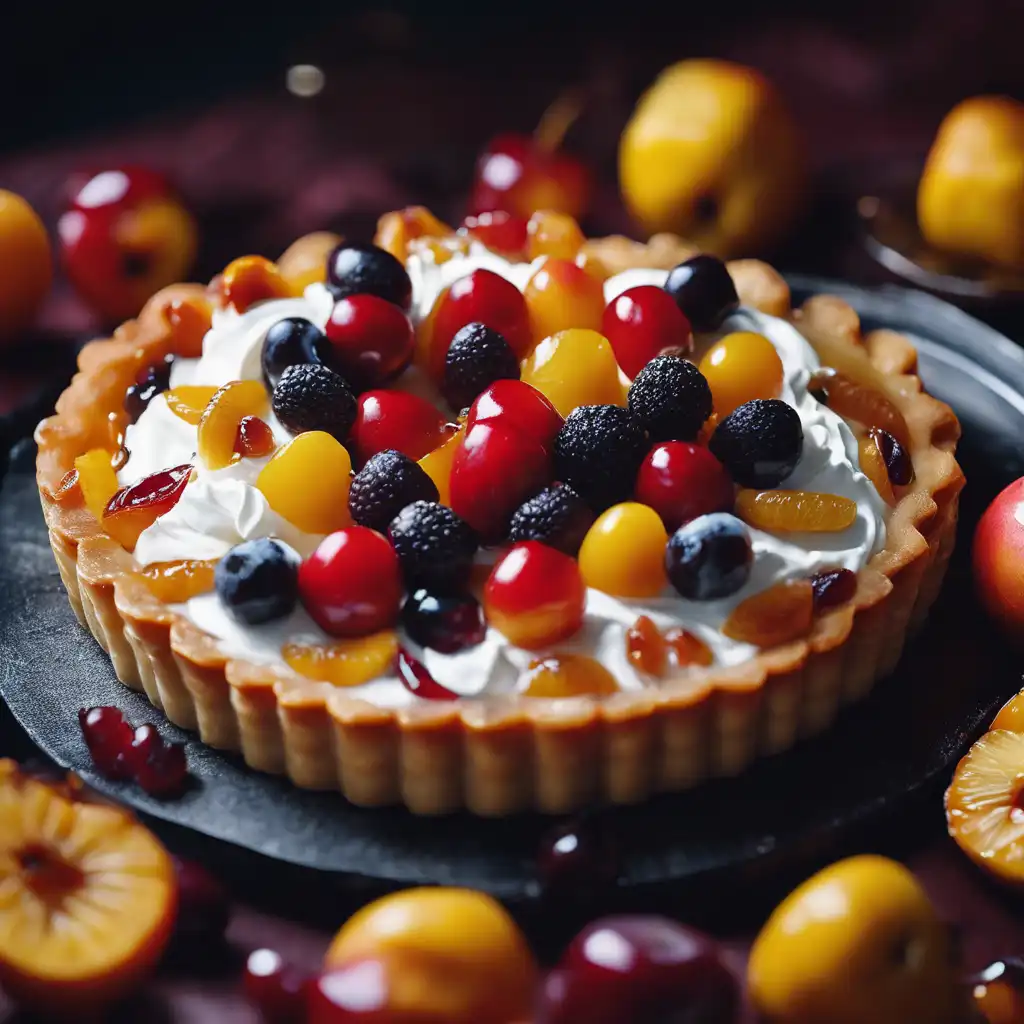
point(222, 508)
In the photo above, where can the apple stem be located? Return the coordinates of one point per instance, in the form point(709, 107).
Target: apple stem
point(559, 117)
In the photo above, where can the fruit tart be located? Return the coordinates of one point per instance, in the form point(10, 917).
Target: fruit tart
point(499, 518)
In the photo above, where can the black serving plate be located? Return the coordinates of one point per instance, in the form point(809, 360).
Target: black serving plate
point(785, 813)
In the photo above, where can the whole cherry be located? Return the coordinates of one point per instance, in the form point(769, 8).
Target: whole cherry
point(275, 987)
point(371, 340)
point(396, 419)
point(642, 323)
point(516, 406)
point(352, 584)
point(681, 481)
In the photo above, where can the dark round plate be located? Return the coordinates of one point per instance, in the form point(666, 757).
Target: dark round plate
point(898, 743)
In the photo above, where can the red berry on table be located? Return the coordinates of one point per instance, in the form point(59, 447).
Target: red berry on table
point(109, 739)
point(275, 987)
point(642, 323)
point(518, 406)
point(495, 469)
point(352, 584)
point(501, 232)
point(145, 740)
point(681, 480)
point(577, 861)
point(535, 595)
point(163, 772)
point(372, 340)
point(395, 419)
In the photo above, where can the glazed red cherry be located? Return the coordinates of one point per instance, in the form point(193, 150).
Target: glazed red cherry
point(109, 739)
point(275, 987)
point(352, 584)
point(480, 297)
point(395, 419)
point(577, 861)
point(494, 471)
point(681, 480)
point(500, 231)
point(371, 340)
point(145, 740)
point(642, 323)
point(648, 969)
point(517, 406)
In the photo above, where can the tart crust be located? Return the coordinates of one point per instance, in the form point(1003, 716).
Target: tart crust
point(510, 753)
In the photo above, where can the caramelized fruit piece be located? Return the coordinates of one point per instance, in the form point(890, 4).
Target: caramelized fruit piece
point(189, 401)
point(872, 465)
point(437, 464)
point(307, 482)
point(254, 439)
point(134, 509)
point(417, 680)
point(96, 479)
point(69, 490)
point(895, 456)
point(560, 296)
point(686, 648)
point(278, 990)
point(251, 279)
point(397, 229)
point(189, 320)
point(775, 616)
point(553, 234)
point(567, 675)
point(344, 662)
point(741, 367)
point(1011, 714)
point(439, 250)
point(175, 582)
point(574, 367)
point(218, 425)
point(985, 804)
point(645, 647)
point(785, 511)
point(88, 898)
point(854, 401)
point(833, 587)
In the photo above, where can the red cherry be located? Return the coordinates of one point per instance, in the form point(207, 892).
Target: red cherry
point(109, 738)
point(164, 771)
point(642, 323)
point(395, 419)
point(519, 406)
point(371, 340)
point(480, 297)
point(120, 186)
point(352, 584)
point(499, 231)
point(359, 993)
point(681, 480)
point(578, 861)
point(145, 741)
point(639, 968)
point(495, 469)
point(276, 988)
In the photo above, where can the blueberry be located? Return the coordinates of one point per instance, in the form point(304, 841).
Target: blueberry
point(443, 622)
point(258, 581)
point(703, 290)
point(289, 342)
point(709, 557)
point(477, 357)
point(759, 443)
point(357, 269)
point(384, 486)
point(671, 398)
point(313, 397)
point(434, 545)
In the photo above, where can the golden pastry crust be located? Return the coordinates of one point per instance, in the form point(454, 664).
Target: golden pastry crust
point(504, 754)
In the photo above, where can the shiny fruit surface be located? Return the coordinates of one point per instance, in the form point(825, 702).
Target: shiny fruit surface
point(795, 511)
point(501, 232)
point(998, 560)
point(518, 405)
point(567, 675)
point(26, 265)
point(643, 322)
point(553, 234)
point(535, 595)
point(623, 553)
point(858, 941)
point(135, 508)
point(396, 419)
point(561, 295)
point(740, 367)
point(344, 662)
point(371, 340)
point(574, 367)
point(437, 464)
point(218, 425)
point(251, 279)
point(275, 987)
point(681, 480)
point(1011, 715)
point(782, 613)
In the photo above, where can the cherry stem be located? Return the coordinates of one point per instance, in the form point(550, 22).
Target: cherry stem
point(559, 117)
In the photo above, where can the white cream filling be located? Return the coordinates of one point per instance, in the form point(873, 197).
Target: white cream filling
point(221, 508)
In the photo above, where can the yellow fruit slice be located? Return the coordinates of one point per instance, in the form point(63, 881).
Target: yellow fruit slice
point(218, 426)
point(344, 662)
point(790, 511)
point(189, 401)
point(96, 479)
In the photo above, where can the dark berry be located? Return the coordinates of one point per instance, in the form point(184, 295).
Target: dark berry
point(443, 622)
point(760, 443)
point(671, 398)
point(557, 516)
point(709, 557)
point(384, 486)
point(833, 587)
point(703, 290)
point(434, 545)
point(290, 342)
point(150, 382)
point(578, 861)
point(896, 457)
point(598, 452)
point(314, 397)
point(258, 581)
point(477, 357)
point(355, 269)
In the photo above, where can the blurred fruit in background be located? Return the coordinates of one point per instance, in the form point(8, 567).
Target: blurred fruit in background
point(971, 197)
point(711, 153)
point(998, 559)
point(26, 265)
point(124, 236)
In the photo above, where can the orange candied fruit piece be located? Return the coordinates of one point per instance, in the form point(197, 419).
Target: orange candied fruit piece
point(437, 464)
point(872, 465)
point(218, 426)
point(785, 511)
point(645, 647)
point(176, 582)
point(777, 615)
point(561, 295)
point(96, 480)
point(553, 234)
point(344, 662)
point(574, 367)
point(686, 648)
point(397, 229)
point(252, 279)
point(254, 439)
point(859, 402)
point(189, 320)
point(189, 401)
point(68, 492)
point(137, 507)
point(568, 675)
point(307, 482)
point(440, 250)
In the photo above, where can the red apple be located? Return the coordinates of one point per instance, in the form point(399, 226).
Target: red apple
point(998, 557)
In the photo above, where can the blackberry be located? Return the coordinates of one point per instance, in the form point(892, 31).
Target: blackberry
point(384, 486)
point(557, 516)
point(434, 545)
point(710, 557)
point(357, 269)
point(258, 581)
point(288, 342)
point(703, 290)
point(671, 398)
point(477, 357)
point(313, 397)
point(760, 442)
point(598, 452)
